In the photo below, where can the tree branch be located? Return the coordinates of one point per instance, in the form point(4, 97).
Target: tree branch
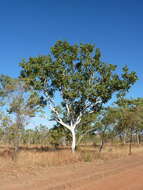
point(82, 135)
point(68, 110)
point(78, 120)
point(58, 119)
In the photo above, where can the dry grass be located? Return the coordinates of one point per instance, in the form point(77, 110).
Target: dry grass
point(46, 159)
point(31, 161)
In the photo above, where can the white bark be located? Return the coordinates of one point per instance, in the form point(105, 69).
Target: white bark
point(73, 140)
point(68, 110)
point(71, 127)
point(138, 139)
point(78, 120)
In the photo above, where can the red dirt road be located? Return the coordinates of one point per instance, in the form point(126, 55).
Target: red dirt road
point(125, 174)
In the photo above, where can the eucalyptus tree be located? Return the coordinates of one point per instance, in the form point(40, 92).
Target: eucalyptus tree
point(5, 121)
point(4, 81)
point(5, 125)
point(130, 117)
point(74, 81)
point(41, 135)
point(87, 127)
point(58, 135)
point(105, 124)
point(21, 105)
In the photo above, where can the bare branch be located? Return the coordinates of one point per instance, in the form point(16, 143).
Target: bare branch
point(78, 120)
point(68, 110)
point(58, 119)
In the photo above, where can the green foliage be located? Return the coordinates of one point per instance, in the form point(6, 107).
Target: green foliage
point(78, 74)
point(20, 104)
point(59, 135)
point(83, 84)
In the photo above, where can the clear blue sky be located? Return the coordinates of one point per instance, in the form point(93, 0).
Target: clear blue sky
point(30, 27)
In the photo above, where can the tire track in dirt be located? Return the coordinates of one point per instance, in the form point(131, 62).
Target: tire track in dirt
point(90, 174)
point(90, 179)
point(82, 177)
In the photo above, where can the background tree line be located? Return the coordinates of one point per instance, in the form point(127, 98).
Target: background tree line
point(75, 84)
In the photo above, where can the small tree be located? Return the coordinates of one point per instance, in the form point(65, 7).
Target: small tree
point(21, 104)
point(106, 122)
point(5, 125)
point(76, 78)
point(130, 117)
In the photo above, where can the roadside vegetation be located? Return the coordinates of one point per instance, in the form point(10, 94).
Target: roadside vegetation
point(75, 85)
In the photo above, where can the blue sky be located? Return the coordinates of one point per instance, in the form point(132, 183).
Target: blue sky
point(31, 27)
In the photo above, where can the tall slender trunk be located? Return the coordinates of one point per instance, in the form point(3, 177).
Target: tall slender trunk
point(16, 146)
point(73, 140)
point(102, 138)
point(124, 139)
point(102, 144)
point(130, 144)
point(121, 139)
point(18, 127)
point(138, 138)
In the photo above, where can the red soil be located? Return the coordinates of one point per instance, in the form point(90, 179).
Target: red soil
point(123, 174)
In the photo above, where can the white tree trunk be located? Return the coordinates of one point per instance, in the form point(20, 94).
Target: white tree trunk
point(73, 140)
point(72, 125)
point(138, 139)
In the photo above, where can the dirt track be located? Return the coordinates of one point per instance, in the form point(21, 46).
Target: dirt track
point(125, 174)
